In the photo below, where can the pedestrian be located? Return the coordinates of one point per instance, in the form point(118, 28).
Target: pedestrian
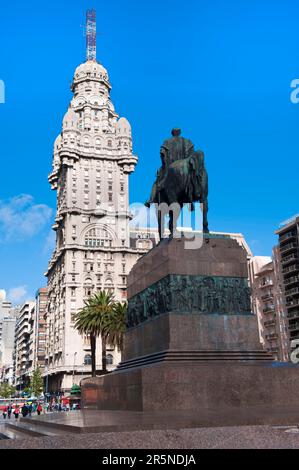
point(24, 410)
point(30, 409)
point(4, 412)
point(16, 411)
point(9, 410)
point(39, 409)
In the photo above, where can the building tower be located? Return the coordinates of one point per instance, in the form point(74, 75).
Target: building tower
point(289, 258)
point(91, 164)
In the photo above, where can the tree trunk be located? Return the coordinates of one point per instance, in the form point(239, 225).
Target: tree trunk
point(104, 358)
point(93, 354)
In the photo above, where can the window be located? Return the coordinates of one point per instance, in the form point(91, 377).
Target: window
point(97, 237)
point(109, 359)
point(87, 359)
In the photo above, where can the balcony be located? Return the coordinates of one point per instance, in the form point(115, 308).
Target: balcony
point(292, 303)
point(293, 314)
point(294, 334)
point(289, 246)
point(289, 258)
point(291, 280)
point(271, 322)
point(269, 309)
point(287, 236)
point(291, 269)
point(271, 336)
point(291, 292)
point(294, 326)
point(267, 296)
point(266, 283)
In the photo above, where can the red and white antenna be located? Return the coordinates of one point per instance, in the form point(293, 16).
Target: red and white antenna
point(91, 45)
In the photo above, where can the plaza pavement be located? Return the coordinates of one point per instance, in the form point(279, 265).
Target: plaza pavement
point(235, 437)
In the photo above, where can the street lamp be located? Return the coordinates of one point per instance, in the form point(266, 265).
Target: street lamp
point(75, 354)
point(47, 382)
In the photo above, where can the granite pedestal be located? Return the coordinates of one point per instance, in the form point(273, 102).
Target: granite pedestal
point(192, 343)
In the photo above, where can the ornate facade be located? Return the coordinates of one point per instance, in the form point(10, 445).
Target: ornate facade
point(92, 161)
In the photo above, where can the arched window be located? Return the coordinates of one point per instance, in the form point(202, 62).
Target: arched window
point(97, 237)
point(87, 359)
point(109, 359)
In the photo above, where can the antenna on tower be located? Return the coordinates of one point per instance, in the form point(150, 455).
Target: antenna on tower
point(91, 47)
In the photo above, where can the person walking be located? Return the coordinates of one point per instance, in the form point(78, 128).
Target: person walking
point(9, 410)
point(39, 409)
point(4, 412)
point(16, 412)
point(24, 410)
point(30, 409)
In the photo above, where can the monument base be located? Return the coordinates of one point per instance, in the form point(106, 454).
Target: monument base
point(217, 393)
point(192, 344)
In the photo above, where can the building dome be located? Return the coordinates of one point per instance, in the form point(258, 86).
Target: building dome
point(57, 143)
point(70, 119)
point(2, 295)
point(90, 69)
point(123, 128)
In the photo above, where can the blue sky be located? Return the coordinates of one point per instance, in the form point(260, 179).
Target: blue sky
point(219, 70)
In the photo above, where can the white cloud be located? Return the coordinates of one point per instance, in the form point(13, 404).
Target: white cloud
point(2, 294)
point(17, 294)
point(21, 219)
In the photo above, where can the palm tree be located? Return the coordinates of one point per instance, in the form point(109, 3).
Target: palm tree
point(115, 325)
point(92, 320)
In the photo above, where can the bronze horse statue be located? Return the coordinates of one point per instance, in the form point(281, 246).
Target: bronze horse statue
point(182, 179)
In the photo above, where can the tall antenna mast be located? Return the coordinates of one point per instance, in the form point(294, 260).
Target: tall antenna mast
point(91, 46)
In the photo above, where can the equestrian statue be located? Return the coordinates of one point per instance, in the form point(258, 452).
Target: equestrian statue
point(182, 179)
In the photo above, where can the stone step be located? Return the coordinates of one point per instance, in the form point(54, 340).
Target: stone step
point(52, 424)
point(32, 429)
point(197, 356)
point(9, 433)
